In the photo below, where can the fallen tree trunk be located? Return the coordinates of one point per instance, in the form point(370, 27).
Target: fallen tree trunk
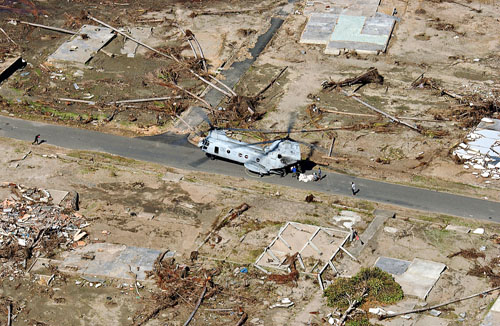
point(197, 304)
point(371, 76)
point(439, 305)
point(382, 112)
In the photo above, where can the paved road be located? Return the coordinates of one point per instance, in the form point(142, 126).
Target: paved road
point(176, 152)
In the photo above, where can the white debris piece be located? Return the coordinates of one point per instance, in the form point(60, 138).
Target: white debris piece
point(478, 231)
point(377, 311)
point(391, 230)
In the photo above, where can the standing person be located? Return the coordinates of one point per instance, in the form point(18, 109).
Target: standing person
point(319, 173)
point(353, 188)
point(294, 171)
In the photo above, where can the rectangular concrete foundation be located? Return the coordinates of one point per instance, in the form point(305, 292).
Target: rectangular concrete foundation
point(81, 47)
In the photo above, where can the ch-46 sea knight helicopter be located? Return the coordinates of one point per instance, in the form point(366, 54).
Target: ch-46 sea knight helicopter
point(275, 158)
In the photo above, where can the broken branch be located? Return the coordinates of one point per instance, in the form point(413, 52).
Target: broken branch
point(382, 112)
point(440, 305)
point(57, 29)
point(197, 304)
point(271, 83)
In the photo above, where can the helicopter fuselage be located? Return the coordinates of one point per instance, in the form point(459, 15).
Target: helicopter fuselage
point(274, 158)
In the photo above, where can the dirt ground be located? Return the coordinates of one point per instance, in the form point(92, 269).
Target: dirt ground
point(120, 196)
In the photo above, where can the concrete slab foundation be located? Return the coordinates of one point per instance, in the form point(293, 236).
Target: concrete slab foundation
point(392, 265)
point(110, 260)
point(81, 47)
point(431, 321)
point(348, 25)
point(420, 277)
point(493, 316)
point(139, 33)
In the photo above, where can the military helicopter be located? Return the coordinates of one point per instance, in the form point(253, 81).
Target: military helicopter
point(276, 158)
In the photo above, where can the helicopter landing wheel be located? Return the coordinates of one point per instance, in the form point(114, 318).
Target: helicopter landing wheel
point(210, 156)
point(282, 173)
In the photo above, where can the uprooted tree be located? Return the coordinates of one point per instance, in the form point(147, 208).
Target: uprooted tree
point(370, 285)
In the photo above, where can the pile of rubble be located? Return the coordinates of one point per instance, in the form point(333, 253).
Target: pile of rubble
point(482, 150)
point(31, 225)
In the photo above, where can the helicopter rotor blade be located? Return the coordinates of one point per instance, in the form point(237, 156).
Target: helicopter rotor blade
point(291, 123)
point(259, 143)
point(312, 146)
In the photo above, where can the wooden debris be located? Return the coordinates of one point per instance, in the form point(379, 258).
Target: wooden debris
point(8, 37)
point(290, 278)
point(160, 53)
point(200, 300)
point(439, 305)
point(56, 29)
point(243, 319)
point(352, 306)
point(233, 213)
point(392, 118)
point(371, 76)
point(22, 158)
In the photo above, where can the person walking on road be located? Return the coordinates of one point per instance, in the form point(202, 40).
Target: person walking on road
point(319, 173)
point(37, 140)
point(353, 188)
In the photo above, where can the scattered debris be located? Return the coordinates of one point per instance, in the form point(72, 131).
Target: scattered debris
point(468, 253)
point(31, 225)
point(439, 305)
point(482, 151)
point(371, 76)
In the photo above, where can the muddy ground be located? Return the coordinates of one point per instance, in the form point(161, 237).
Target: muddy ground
point(120, 196)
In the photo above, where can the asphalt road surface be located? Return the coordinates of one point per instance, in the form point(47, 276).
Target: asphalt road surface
point(174, 151)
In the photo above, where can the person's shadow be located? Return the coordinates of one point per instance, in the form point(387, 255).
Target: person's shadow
point(355, 192)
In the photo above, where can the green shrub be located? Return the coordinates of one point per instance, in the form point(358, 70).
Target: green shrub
point(380, 286)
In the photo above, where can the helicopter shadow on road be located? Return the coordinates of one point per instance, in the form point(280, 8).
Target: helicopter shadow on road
point(169, 138)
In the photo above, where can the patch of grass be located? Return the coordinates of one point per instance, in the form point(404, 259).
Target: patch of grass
point(308, 221)
point(447, 219)
point(103, 157)
point(53, 112)
point(89, 169)
point(254, 225)
point(359, 321)
point(365, 205)
point(379, 286)
point(253, 254)
point(438, 238)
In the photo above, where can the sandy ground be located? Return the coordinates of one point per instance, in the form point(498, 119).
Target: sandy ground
point(112, 189)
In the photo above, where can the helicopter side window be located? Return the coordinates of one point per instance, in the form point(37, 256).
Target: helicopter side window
point(257, 159)
point(240, 154)
point(216, 150)
point(246, 156)
point(279, 155)
point(228, 151)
